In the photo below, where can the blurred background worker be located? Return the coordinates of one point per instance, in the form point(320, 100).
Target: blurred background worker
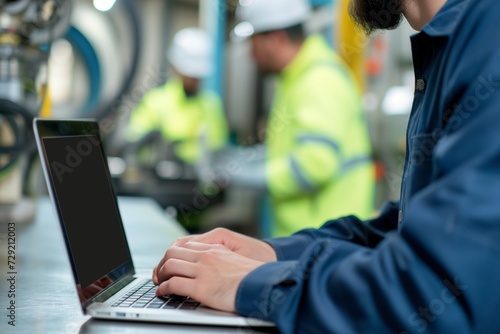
point(317, 160)
point(109, 62)
point(180, 109)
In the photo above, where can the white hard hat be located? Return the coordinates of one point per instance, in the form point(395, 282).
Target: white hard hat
point(257, 16)
point(190, 53)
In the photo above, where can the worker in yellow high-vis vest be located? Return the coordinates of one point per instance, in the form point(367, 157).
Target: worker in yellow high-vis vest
point(317, 162)
point(180, 109)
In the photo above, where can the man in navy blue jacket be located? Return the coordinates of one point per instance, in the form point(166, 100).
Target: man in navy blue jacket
point(430, 263)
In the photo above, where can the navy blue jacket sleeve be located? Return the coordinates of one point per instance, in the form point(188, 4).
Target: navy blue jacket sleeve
point(364, 233)
point(439, 274)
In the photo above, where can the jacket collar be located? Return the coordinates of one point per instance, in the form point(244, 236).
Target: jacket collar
point(447, 19)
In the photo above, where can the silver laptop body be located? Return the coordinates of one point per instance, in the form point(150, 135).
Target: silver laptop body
point(79, 184)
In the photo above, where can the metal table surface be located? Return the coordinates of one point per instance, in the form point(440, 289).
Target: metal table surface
point(45, 297)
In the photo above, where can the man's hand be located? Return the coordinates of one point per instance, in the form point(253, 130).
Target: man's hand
point(238, 243)
point(207, 273)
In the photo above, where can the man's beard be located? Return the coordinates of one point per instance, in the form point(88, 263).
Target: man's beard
point(374, 15)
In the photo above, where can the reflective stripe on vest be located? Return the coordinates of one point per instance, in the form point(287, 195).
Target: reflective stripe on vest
point(346, 165)
point(320, 139)
point(299, 176)
point(355, 162)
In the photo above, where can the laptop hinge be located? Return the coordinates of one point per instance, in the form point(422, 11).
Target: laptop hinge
point(113, 289)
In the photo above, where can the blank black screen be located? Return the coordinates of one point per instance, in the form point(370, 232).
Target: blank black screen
point(87, 205)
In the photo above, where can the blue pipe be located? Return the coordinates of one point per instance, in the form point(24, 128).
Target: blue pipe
point(317, 3)
point(86, 50)
point(218, 20)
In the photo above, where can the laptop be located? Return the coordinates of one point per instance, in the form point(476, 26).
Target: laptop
point(79, 183)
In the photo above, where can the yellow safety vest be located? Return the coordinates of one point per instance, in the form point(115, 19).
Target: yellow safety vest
point(319, 155)
point(180, 119)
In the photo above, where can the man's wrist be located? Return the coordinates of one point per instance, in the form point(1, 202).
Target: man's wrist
point(270, 253)
point(254, 291)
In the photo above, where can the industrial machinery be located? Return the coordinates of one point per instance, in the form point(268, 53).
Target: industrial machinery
point(109, 86)
point(117, 58)
point(27, 28)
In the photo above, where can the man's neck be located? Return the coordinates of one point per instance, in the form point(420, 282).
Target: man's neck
point(420, 12)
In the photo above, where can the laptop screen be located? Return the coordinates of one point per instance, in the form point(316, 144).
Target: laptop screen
point(87, 205)
point(81, 187)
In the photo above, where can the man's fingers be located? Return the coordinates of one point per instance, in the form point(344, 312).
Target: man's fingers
point(215, 236)
point(181, 241)
point(174, 252)
point(198, 246)
point(177, 286)
point(175, 267)
point(155, 275)
point(198, 242)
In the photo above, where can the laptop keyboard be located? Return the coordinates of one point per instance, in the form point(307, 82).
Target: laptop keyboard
point(143, 296)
